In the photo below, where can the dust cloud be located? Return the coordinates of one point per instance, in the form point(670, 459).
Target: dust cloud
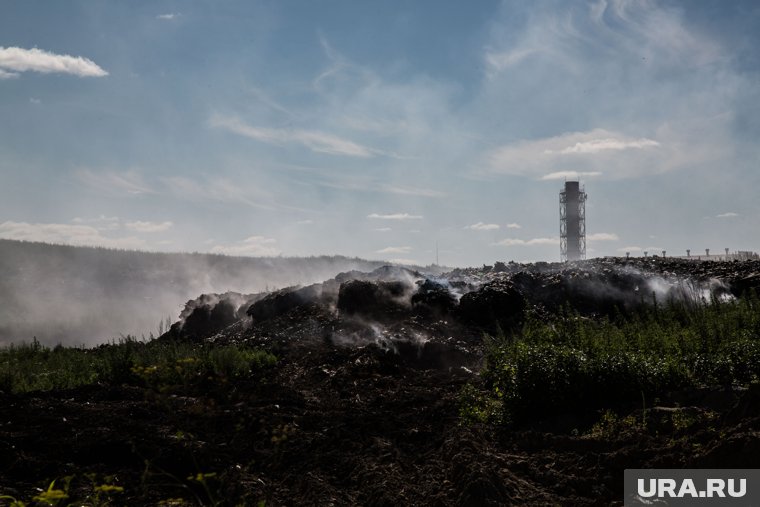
point(86, 296)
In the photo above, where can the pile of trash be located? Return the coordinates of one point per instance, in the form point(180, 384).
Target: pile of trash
point(396, 308)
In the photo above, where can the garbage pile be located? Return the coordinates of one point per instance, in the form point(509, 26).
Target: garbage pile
point(400, 309)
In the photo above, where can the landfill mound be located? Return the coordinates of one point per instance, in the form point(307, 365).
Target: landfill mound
point(394, 305)
point(363, 407)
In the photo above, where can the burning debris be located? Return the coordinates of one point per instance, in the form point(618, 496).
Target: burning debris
point(396, 308)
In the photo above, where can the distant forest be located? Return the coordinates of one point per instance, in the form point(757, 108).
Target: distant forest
point(87, 295)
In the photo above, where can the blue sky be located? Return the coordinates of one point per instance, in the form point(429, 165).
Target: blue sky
point(377, 129)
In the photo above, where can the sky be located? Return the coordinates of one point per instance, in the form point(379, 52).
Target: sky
point(385, 130)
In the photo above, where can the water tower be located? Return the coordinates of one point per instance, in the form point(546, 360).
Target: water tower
point(572, 222)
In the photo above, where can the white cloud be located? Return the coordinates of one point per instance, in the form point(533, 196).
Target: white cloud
point(341, 183)
point(383, 229)
point(130, 182)
point(139, 226)
point(169, 16)
point(315, 140)
point(480, 226)
point(514, 225)
point(570, 175)
point(80, 235)
point(101, 223)
point(602, 236)
point(257, 246)
point(395, 250)
point(631, 249)
point(528, 242)
point(499, 61)
point(4, 74)
point(14, 60)
point(570, 155)
point(599, 145)
point(729, 214)
point(419, 192)
point(394, 216)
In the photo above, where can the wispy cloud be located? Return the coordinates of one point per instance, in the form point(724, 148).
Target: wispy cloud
point(602, 236)
point(366, 186)
point(480, 226)
point(610, 144)
point(383, 229)
point(169, 16)
point(216, 189)
point(528, 242)
point(728, 214)
point(569, 152)
point(4, 74)
point(257, 246)
point(394, 216)
point(139, 226)
point(315, 140)
point(15, 60)
point(514, 225)
point(418, 192)
point(395, 250)
point(499, 61)
point(130, 182)
point(102, 223)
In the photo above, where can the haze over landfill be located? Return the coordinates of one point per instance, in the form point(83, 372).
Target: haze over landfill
point(377, 130)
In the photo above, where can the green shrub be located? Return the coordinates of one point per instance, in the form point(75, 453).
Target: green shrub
point(573, 363)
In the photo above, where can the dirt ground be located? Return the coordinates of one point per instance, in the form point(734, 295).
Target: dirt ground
point(339, 426)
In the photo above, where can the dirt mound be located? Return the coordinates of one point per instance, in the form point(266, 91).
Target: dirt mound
point(283, 301)
point(211, 313)
point(373, 299)
point(496, 304)
point(490, 298)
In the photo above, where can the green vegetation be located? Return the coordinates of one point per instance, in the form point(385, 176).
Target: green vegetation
point(156, 364)
point(95, 493)
point(574, 363)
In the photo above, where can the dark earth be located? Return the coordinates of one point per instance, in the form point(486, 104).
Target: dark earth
point(363, 406)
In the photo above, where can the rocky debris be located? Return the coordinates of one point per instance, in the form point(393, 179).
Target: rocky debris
point(283, 301)
point(433, 299)
point(496, 305)
point(374, 299)
point(383, 273)
point(490, 298)
point(210, 313)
